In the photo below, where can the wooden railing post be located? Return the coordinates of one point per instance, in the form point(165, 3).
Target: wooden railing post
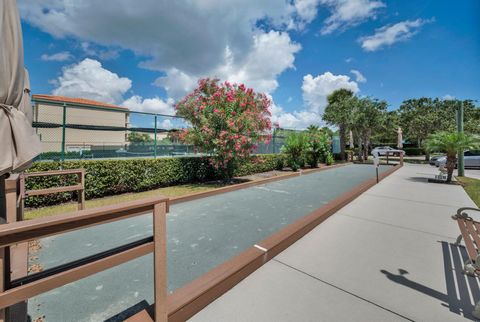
point(2, 280)
point(81, 194)
point(160, 261)
point(16, 260)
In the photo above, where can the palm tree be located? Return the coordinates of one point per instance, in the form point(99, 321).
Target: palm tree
point(313, 128)
point(451, 143)
point(337, 113)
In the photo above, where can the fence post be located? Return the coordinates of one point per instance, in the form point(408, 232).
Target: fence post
point(63, 130)
point(160, 262)
point(81, 195)
point(273, 139)
point(460, 162)
point(155, 139)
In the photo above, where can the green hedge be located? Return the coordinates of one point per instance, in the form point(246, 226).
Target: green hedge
point(414, 151)
point(111, 177)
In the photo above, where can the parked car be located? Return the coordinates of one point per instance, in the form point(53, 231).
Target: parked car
point(471, 159)
point(382, 150)
point(434, 159)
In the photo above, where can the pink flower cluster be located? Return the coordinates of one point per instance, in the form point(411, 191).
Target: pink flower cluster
point(226, 120)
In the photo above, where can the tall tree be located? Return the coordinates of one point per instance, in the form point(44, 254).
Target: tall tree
point(420, 118)
point(139, 137)
point(448, 113)
point(424, 116)
point(338, 113)
point(390, 124)
point(367, 118)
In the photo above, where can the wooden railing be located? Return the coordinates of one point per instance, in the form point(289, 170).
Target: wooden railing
point(18, 290)
point(79, 187)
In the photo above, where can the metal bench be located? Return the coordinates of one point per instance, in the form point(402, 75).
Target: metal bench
point(470, 233)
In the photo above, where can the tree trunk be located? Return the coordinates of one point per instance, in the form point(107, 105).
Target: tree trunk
point(427, 156)
point(341, 132)
point(365, 148)
point(360, 150)
point(451, 161)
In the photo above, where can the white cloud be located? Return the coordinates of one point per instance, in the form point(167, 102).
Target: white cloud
point(103, 54)
point(305, 12)
point(349, 60)
point(316, 89)
point(61, 56)
point(347, 13)
point(88, 79)
point(272, 53)
point(293, 120)
point(166, 124)
point(390, 34)
point(184, 39)
point(448, 97)
point(315, 92)
point(359, 78)
point(152, 105)
point(188, 35)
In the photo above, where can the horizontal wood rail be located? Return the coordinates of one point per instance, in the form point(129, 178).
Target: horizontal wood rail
point(394, 153)
point(32, 285)
point(79, 187)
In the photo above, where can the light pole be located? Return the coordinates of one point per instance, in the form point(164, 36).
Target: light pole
point(461, 166)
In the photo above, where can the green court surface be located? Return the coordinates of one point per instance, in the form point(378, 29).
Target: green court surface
point(201, 234)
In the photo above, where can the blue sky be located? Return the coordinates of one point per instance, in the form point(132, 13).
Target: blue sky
point(146, 55)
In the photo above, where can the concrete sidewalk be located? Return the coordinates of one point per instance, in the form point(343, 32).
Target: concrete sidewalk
point(387, 256)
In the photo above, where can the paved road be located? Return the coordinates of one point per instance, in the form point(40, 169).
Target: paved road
point(387, 256)
point(201, 234)
point(473, 173)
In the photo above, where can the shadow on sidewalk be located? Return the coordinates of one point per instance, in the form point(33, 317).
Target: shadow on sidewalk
point(460, 302)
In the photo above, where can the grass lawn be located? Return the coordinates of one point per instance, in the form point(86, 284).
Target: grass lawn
point(472, 187)
point(173, 191)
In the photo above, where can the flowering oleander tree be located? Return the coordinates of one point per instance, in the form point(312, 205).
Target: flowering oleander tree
point(227, 120)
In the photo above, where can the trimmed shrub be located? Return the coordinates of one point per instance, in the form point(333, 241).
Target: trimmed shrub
point(317, 147)
point(295, 149)
point(414, 151)
point(260, 163)
point(280, 162)
point(329, 160)
point(112, 177)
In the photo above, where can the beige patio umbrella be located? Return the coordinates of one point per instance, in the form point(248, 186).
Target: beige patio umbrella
point(18, 142)
point(399, 138)
point(352, 145)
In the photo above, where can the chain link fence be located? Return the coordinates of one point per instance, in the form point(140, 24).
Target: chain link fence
point(73, 131)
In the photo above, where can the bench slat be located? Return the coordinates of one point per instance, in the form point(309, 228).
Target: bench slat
point(472, 252)
point(477, 227)
point(473, 233)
